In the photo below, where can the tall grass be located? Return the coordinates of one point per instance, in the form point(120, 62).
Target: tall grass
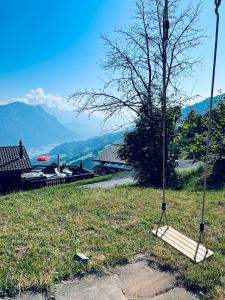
point(190, 179)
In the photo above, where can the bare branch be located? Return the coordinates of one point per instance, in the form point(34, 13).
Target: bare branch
point(133, 62)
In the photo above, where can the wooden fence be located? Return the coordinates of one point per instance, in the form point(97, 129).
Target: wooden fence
point(27, 184)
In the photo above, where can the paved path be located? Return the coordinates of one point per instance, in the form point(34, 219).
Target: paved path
point(134, 281)
point(183, 164)
point(109, 183)
point(188, 164)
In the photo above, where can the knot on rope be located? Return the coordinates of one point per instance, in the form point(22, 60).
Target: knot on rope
point(164, 206)
point(217, 3)
point(202, 226)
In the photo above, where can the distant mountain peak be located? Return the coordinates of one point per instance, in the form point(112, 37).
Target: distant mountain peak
point(32, 124)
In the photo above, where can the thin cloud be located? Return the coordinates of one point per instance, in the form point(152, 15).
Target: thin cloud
point(39, 97)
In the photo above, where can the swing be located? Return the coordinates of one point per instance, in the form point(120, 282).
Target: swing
point(195, 251)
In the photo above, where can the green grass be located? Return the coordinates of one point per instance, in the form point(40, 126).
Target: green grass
point(190, 179)
point(41, 230)
point(93, 180)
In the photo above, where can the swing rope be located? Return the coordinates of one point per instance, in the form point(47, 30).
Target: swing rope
point(182, 243)
point(206, 168)
point(164, 156)
point(206, 165)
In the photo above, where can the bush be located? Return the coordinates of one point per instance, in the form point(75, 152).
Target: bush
point(217, 177)
point(143, 149)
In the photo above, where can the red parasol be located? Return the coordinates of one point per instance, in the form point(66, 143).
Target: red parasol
point(43, 158)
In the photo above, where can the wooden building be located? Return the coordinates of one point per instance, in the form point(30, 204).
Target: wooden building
point(14, 161)
point(110, 161)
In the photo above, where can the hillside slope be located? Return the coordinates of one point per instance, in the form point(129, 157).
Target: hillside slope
point(87, 127)
point(73, 152)
point(202, 106)
point(32, 125)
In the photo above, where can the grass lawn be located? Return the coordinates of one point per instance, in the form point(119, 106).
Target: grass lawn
point(93, 180)
point(41, 230)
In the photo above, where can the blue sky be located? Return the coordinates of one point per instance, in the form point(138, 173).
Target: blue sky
point(54, 45)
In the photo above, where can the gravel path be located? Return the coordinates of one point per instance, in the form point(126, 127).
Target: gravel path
point(134, 281)
point(188, 164)
point(109, 183)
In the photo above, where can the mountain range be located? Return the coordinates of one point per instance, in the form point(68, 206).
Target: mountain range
point(73, 152)
point(41, 126)
point(32, 125)
point(203, 106)
point(86, 127)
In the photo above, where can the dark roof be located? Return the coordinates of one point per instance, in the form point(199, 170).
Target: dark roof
point(10, 160)
point(110, 154)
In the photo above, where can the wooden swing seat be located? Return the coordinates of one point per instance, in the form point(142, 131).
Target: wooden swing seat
point(183, 244)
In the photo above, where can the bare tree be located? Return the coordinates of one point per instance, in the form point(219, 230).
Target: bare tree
point(134, 61)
